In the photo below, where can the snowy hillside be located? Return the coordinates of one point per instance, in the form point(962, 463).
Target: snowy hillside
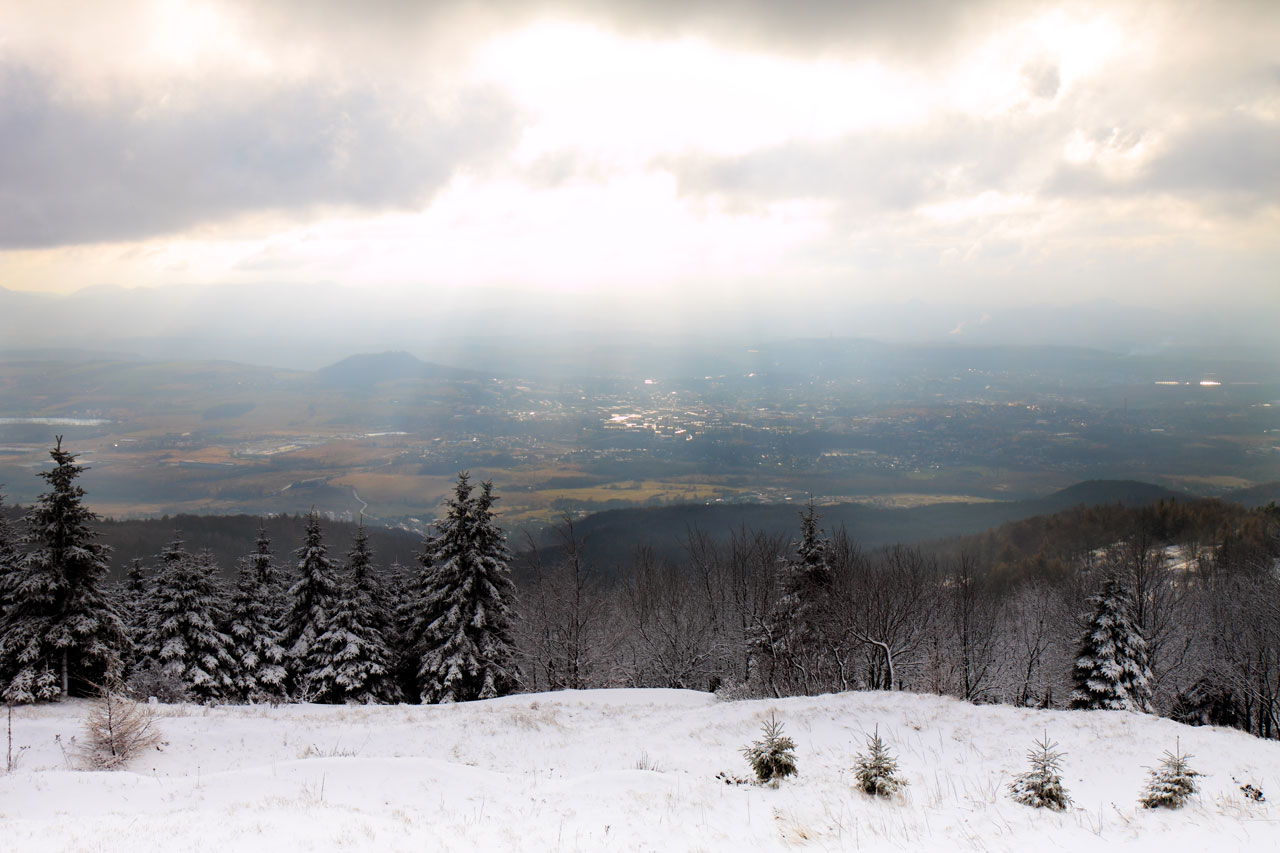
point(621, 770)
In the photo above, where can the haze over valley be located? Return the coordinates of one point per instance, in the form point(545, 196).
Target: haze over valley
point(833, 419)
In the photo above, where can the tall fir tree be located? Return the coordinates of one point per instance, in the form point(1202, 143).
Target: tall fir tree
point(402, 587)
point(10, 561)
point(359, 665)
point(790, 638)
point(62, 631)
point(310, 608)
point(1111, 670)
point(461, 633)
point(256, 612)
point(184, 639)
point(133, 596)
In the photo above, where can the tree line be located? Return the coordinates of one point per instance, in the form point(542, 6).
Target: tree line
point(1172, 609)
point(327, 631)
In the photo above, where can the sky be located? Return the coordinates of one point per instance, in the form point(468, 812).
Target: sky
point(650, 155)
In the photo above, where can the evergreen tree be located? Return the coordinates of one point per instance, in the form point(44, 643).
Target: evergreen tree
point(134, 591)
point(256, 611)
point(358, 663)
point(876, 770)
point(133, 596)
point(461, 632)
point(1041, 786)
point(403, 592)
point(790, 639)
point(62, 630)
point(10, 561)
point(773, 757)
point(1173, 784)
point(1111, 669)
point(184, 640)
point(310, 606)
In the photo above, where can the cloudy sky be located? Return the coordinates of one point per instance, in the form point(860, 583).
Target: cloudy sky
point(692, 151)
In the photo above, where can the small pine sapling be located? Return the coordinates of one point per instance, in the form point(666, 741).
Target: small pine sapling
point(117, 729)
point(773, 757)
point(1172, 784)
point(1041, 786)
point(876, 770)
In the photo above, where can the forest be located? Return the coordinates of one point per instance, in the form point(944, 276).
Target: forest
point(1169, 609)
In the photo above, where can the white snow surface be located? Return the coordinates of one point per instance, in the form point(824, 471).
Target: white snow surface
point(621, 770)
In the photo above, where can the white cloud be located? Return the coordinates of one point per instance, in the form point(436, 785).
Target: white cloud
point(938, 150)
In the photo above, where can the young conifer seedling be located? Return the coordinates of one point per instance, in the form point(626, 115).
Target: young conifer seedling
point(773, 757)
point(876, 770)
point(1041, 786)
point(1172, 784)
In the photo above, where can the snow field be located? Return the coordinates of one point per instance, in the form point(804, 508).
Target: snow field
point(622, 770)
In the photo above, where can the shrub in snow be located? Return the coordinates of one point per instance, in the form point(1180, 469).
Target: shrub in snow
point(1041, 786)
point(773, 757)
point(876, 770)
point(1172, 784)
point(117, 729)
point(735, 691)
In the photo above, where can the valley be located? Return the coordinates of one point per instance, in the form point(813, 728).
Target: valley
point(839, 421)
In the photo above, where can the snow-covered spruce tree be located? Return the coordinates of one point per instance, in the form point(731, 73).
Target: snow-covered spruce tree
point(791, 639)
point(256, 610)
point(461, 633)
point(773, 757)
point(1111, 671)
point(134, 592)
point(404, 593)
point(359, 665)
point(10, 561)
point(1041, 786)
point(1172, 784)
point(876, 771)
point(132, 596)
point(62, 631)
point(184, 641)
point(310, 604)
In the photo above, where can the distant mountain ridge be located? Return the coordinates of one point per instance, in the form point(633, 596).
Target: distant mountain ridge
point(365, 369)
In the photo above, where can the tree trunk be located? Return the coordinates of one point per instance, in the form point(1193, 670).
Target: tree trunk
point(65, 675)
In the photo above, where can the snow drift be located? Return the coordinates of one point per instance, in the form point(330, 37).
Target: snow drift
point(622, 770)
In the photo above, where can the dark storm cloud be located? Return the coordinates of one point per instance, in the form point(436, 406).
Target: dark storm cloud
point(132, 166)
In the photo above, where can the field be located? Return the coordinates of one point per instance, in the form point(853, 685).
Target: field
point(621, 770)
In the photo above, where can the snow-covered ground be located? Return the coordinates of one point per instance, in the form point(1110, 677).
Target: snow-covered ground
point(621, 770)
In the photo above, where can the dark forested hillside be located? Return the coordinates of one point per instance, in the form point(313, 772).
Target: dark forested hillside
point(1051, 546)
point(230, 537)
point(611, 537)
